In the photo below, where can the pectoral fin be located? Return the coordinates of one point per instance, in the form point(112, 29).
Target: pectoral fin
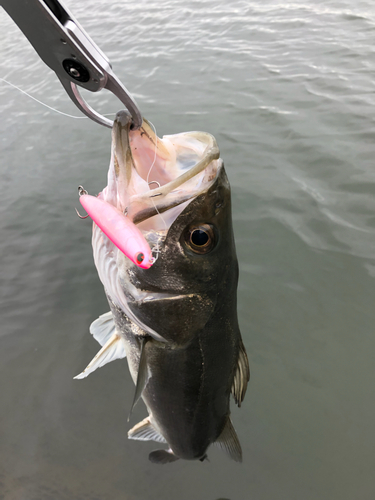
point(103, 328)
point(113, 349)
point(228, 441)
point(241, 377)
point(162, 457)
point(144, 431)
point(142, 376)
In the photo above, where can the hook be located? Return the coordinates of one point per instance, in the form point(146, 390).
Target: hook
point(81, 216)
point(157, 250)
point(81, 191)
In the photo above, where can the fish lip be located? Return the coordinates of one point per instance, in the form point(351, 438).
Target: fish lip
point(123, 117)
point(143, 296)
point(146, 296)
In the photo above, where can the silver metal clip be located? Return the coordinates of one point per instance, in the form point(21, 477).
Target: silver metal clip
point(66, 48)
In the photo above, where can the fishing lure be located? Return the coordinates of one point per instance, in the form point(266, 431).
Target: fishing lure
point(119, 229)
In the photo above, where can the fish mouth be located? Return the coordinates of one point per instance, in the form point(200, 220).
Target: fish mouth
point(141, 297)
point(149, 176)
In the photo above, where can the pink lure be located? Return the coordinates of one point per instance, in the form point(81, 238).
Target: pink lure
point(119, 229)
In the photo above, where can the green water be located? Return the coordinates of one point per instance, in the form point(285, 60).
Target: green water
point(287, 89)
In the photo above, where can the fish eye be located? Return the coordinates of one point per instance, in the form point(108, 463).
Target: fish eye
point(201, 238)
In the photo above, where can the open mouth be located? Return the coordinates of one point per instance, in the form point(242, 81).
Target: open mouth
point(150, 176)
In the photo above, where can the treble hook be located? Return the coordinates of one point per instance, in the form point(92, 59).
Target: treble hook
point(157, 250)
point(79, 215)
point(81, 191)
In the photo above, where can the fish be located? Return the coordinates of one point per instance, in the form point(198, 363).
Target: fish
point(175, 322)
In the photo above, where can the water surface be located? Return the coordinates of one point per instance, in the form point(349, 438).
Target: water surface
point(287, 89)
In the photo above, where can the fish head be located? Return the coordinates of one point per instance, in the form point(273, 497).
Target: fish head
point(194, 278)
point(176, 190)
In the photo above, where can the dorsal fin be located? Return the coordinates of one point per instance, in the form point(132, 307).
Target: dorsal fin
point(241, 377)
point(103, 328)
point(113, 349)
point(145, 431)
point(228, 441)
point(142, 376)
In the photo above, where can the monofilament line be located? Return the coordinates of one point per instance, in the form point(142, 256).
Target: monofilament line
point(47, 106)
point(40, 102)
point(148, 175)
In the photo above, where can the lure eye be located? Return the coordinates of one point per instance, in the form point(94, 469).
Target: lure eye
point(200, 239)
point(140, 258)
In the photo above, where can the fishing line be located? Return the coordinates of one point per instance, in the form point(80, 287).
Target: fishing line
point(148, 175)
point(156, 248)
point(47, 106)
